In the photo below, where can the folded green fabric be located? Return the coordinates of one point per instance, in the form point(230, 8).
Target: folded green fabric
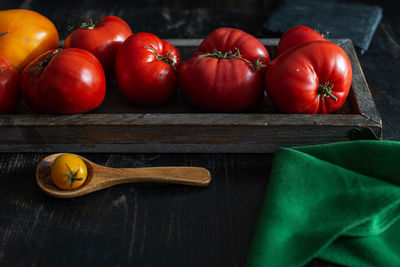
point(338, 202)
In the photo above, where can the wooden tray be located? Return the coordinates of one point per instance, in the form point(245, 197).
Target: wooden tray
point(177, 126)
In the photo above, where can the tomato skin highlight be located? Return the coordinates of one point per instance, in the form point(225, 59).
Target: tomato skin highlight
point(102, 41)
point(73, 81)
point(9, 90)
point(297, 35)
point(24, 35)
point(68, 171)
point(225, 84)
point(293, 78)
point(143, 77)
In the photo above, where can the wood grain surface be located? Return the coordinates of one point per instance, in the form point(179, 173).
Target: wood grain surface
point(165, 225)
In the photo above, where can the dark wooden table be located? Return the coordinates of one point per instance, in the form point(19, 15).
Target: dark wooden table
point(164, 225)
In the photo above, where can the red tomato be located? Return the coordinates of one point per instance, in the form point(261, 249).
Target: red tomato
point(9, 91)
point(314, 77)
point(102, 40)
point(297, 35)
point(145, 68)
point(226, 73)
point(64, 81)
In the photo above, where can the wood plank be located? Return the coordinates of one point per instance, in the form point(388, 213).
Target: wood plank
point(158, 139)
point(359, 85)
point(211, 119)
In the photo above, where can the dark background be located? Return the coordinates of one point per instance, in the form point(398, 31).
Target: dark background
point(162, 225)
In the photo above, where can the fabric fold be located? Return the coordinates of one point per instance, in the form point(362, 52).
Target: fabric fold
point(337, 202)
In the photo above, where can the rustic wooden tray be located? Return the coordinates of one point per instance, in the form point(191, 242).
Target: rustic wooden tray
point(177, 126)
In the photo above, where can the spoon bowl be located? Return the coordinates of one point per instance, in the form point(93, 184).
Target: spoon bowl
point(100, 177)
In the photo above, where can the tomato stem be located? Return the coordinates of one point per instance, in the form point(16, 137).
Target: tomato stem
point(325, 90)
point(90, 25)
point(3, 33)
point(256, 65)
point(167, 58)
point(323, 34)
point(1, 68)
point(45, 62)
point(72, 176)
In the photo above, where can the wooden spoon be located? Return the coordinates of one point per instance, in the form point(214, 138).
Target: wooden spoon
point(100, 177)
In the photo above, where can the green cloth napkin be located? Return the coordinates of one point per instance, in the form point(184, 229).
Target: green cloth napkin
point(338, 202)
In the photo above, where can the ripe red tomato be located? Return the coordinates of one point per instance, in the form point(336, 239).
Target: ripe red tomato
point(314, 77)
point(146, 68)
point(9, 91)
point(226, 73)
point(297, 35)
point(102, 40)
point(64, 81)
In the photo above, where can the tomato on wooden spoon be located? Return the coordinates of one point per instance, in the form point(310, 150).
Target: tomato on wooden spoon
point(313, 77)
point(297, 35)
point(226, 73)
point(64, 81)
point(68, 171)
point(9, 91)
point(24, 35)
point(102, 40)
point(146, 67)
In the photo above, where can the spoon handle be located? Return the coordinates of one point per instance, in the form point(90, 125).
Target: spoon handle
point(177, 175)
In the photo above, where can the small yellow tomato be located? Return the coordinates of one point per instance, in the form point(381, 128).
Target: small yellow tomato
point(68, 171)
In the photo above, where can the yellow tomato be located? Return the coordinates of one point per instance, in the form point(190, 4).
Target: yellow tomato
point(68, 171)
point(24, 35)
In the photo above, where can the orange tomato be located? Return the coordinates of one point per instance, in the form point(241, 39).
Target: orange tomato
point(24, 35)
point(68, 171)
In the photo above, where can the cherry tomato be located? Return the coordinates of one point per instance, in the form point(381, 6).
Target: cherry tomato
point(68, 171)
point(9, 91)
point(226, 73)
point(146, 69)
point(297, 35)
point(64, 81)
point(102, 40)
point(313, 77)
point(24, 35)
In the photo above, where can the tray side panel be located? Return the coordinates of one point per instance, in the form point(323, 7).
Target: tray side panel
point(366, 104)
point(211, 138)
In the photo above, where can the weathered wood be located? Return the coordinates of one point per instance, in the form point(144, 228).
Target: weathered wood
point(127, 223)
point(365, 102)
point(118, 126)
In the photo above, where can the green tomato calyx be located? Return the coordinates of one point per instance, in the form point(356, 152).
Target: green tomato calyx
point(42, 65)
point(72, 176)
point(256, 65)
point(88, 24)
point(166, 59)
point(325, 90)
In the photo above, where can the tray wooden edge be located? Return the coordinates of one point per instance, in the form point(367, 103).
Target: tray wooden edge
point(360, 87)
point(40, 125)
